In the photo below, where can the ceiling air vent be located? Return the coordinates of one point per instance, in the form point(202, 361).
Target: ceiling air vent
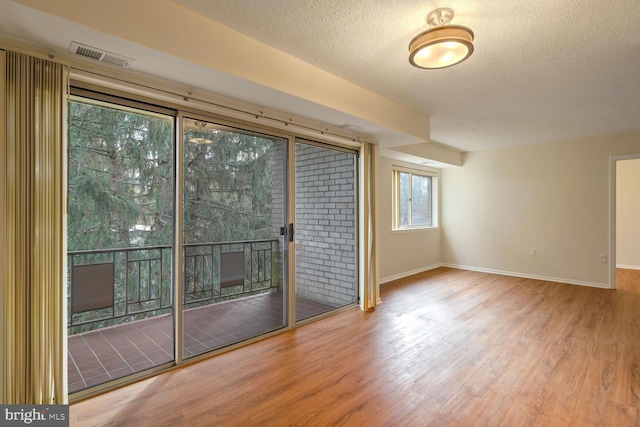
point(100, 55)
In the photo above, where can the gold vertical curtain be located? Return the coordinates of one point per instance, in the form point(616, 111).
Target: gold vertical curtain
point(371, 294)
point(33, 246)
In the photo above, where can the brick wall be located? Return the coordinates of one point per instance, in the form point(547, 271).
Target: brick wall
point(326, 227)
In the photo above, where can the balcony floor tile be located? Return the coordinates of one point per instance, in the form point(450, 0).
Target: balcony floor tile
point(106, 354)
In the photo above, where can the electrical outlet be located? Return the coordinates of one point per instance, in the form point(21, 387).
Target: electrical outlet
point(603, 258)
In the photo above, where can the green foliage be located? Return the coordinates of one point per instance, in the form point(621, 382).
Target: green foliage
point(228, 188)
point(120, 177)
point(121, 181)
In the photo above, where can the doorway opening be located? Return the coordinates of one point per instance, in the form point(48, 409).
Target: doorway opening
point(624, 226)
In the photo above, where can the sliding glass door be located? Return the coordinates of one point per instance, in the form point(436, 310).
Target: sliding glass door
point(119, 240)
point(178, 239)
point(326, 228)
point(234, 193)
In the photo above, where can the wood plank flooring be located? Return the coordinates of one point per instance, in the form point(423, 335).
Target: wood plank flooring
point(446, 348)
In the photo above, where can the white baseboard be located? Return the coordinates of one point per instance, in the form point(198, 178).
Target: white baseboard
point(529, 276)
point(628, 267)
point(388, 279)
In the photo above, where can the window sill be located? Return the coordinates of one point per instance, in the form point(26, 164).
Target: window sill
point(414, 229)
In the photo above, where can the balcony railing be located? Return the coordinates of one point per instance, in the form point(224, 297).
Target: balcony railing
point(112, 286)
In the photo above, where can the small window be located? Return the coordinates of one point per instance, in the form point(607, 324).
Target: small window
point(413, 199)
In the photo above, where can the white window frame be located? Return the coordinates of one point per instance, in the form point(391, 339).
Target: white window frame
point(397, 170)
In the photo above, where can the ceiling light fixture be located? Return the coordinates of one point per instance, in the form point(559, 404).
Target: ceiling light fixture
point(442, 45)
point(199, 135)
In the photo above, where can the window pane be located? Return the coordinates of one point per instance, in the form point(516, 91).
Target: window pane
point(234, 206)
point(326, 244)
point(404, 200)
point(120, 177)
point(119, 236)
point(420, 200)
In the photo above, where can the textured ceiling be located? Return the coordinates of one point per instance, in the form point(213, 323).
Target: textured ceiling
point(542, 71)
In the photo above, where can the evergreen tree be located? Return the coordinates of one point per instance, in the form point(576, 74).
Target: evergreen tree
point(121, 181)
point(227, 191)
point(120, 178)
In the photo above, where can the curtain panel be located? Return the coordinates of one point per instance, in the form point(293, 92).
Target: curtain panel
point(33, 300)
point(368, 254)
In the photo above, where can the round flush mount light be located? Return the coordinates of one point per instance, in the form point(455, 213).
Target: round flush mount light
point(199, 134)
point(442, 45)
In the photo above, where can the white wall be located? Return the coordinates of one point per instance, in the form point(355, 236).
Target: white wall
point(401, 253)
point(551, 197)
point(628, 214)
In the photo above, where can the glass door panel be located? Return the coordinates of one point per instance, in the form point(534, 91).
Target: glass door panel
point(234, 200)
point(326, 229)
point(119, 237)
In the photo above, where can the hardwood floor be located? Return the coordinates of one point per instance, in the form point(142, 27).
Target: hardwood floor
point(446, 348)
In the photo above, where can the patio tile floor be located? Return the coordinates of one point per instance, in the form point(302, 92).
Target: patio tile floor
point(105, 354)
